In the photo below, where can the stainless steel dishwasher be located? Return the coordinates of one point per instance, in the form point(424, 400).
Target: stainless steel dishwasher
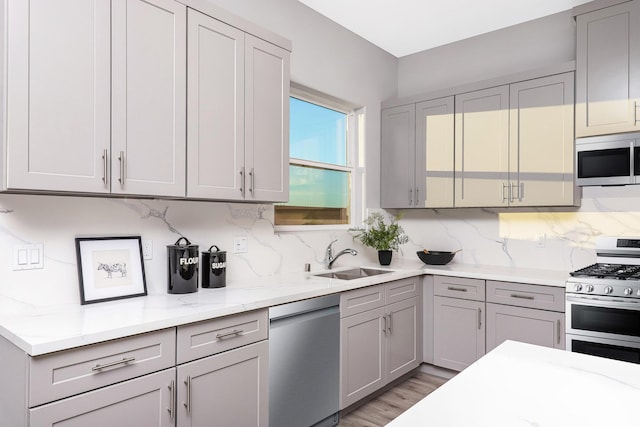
point(304, 363)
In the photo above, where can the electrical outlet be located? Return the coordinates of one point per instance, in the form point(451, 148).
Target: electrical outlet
point(240, 245)
point(147, 249)
point(541, 240)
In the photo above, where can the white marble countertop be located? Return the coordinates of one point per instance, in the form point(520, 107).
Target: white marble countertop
point(520, 384)
point(40, 330)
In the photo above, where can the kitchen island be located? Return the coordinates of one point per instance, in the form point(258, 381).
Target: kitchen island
point(520, 384)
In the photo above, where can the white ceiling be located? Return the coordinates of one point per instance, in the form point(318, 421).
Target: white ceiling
point(403, 27)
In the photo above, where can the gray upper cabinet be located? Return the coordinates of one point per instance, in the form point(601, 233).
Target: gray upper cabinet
point(417, 155)
point(608, 70)
point(238, 114)
point(482, 148)
point(148, 142)
point(398, 185)
point(58, 99)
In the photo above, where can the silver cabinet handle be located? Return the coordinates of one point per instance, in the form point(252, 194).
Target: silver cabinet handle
point(479, 318)
point(558, 325)
point(384, 328)
point(529, 297)
point(187, 404)
point(235, 332)
point(121, 159)
point(242, 181)
point(123, 362)
point(390, 322)
point(417, 196)
point(172, 400)
point(252, 175)
point(457, 289)
point(635, 111)
point(105, 165)
point(506, 187)
point(410, 196)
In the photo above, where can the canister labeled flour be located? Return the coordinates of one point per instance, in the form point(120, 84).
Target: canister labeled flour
point(182, 263)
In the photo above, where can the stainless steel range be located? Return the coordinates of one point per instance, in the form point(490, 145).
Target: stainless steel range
point(603, 302)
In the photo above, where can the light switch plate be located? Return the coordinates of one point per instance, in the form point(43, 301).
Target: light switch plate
point(28, 257)
point(240, 245)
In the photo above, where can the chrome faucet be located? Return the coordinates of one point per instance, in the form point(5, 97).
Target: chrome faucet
point(329, 258)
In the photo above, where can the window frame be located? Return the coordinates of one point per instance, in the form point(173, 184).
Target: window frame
point(354, 165)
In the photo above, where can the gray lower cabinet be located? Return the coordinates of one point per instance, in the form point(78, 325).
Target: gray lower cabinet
point(228, 389)
point(144, 401)
point(380, 332)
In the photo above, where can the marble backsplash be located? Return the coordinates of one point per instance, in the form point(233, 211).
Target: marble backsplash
point(501, 237)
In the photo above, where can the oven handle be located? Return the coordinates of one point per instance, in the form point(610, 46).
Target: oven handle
point(605, 302)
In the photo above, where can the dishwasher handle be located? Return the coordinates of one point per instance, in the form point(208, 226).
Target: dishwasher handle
point(305, 306)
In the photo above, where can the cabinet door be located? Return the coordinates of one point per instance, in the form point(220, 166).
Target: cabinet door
point(266, 121)
point(608, 70)
point(402, 344)
point(434, 153)
point(397, 185)
point(459, 334)
point(528, 325)
point(144, 401)
point(362, 348)
point(58, 94)
point(228, 389)
point(481, 148)
point(541, 142)
point(215, 109)
point(149, 97)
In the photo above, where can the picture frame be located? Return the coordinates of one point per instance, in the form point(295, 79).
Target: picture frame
point(110, 268)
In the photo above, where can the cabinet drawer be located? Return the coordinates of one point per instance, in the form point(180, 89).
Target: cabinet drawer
point(459, 287)
point(525, 295)
point(399, 290)
point(213, 336)
point(361, 300)
point(70, 372)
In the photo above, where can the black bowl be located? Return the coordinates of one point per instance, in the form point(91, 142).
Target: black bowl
point(435, 257)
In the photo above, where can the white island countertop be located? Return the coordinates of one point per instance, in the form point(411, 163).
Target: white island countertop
point(520, 384)
point(39, 330)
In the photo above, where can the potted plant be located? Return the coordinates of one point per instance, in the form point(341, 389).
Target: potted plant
point(383, 237)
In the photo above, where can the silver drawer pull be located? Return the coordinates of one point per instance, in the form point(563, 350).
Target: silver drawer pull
point(123, 361)
point(229, 334)
point(530, 297)
point(455, 288)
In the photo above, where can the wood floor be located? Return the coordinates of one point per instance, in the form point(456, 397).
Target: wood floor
point(384, 408)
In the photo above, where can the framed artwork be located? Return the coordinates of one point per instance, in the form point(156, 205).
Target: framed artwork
point(110, 268)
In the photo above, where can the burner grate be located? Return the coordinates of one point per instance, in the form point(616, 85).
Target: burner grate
point(615, 271)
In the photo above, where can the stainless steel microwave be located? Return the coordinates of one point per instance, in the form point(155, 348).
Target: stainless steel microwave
point(608, 160)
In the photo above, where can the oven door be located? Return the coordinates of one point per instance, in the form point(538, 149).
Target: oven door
point(603, 317)
point(602, 161)
point(626, 351)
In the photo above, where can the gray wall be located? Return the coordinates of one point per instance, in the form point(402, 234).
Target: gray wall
point(536, 44)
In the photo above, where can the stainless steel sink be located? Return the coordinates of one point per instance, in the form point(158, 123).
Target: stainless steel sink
point(354, 273)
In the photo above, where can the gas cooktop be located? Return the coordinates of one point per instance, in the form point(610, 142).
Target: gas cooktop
point(610, 271)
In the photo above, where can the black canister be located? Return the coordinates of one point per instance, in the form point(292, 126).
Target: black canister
point(183, 267)
point(214, 268)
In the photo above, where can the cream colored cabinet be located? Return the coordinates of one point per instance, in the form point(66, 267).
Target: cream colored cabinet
point(608, 70)
point(237, 114)
point(458, 321)
point(528, 313)
point(148, 94)
point(97, 95)
point(482, 148)
point(514, 144)
point(58, 120)
point(541, 142)
point(417, 155)
point(380, 328)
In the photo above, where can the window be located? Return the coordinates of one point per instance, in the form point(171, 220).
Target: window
point(321, 178)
